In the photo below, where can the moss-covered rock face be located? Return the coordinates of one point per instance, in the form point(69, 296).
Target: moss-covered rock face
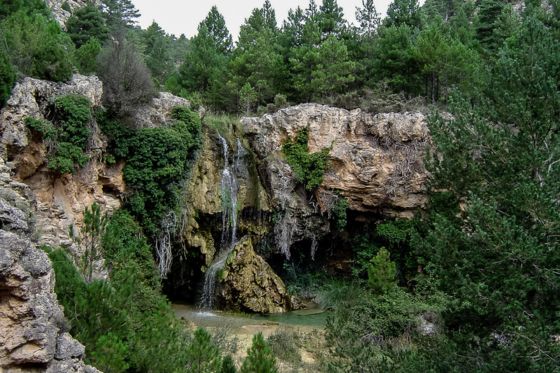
point(203, 196)
point(248, 282)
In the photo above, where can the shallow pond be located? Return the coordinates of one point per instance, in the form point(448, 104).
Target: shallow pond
point(313, 318)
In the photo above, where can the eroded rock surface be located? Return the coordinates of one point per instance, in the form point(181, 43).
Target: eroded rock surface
point(33, 337)
point(376, 161)
point(249, 283)
point(60, 200)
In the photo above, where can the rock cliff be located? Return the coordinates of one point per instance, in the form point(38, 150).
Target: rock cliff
point(34, 334)
point(375, 162)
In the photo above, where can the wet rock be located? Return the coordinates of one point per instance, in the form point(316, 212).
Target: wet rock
point(249, 283)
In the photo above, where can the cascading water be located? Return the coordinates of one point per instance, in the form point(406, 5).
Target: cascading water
point(229, 189)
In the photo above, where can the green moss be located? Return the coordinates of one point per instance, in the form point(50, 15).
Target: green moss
point(309, 168)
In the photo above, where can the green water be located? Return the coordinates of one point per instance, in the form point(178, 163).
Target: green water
point(314, 318)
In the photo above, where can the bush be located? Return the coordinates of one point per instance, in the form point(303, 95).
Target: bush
point(7, 78)
point(68, 137)
point(127, 82)
point(37, 46)
point(284, 346)
point(157, 161)
point(309, 168)
point(203, 356)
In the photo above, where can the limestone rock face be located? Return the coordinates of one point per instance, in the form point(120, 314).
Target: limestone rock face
point(376, 161)
point(32, 323)
point(158, 112)
point(249, 283)
point(62, 15)
point(60, 200)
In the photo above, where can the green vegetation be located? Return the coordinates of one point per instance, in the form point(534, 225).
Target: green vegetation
point(95, 224)
point(68, 136)
point(125, 323)
point(309, 168)
point(7, 78)
point(259, 357)
point(35, 44)
point(157, 161)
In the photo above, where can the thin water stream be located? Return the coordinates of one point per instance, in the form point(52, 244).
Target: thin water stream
point(229, 190)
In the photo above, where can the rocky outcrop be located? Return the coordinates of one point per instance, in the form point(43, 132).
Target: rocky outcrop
point(158, 112)
point(249, 283)
point(375, 163)
point(34, 336)
point(62, 9)
point(60, 200)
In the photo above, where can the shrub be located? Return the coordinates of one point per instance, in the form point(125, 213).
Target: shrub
point(44, 128)
point(68, 137)
point(157, 162)
point(259, 358)
point(339, 213)
point(127, 82)
point(125, 315)
point(284, 346)
point(228, 365)
point(309, 168)
point(37, 46)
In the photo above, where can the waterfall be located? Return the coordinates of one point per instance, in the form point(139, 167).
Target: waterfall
point(229, 190)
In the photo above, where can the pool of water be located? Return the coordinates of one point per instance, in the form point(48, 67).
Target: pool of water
point(311, 318)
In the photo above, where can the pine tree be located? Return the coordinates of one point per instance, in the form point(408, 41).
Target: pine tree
point(7, 78)
point(216, 28)
point(368, 18)
point(334, 71)
point(488, 15)
point(382, 272)
point(331, 19)
point(403, 12)
point(157, 51)
point(203, 356)
point(119, 14)
point(86, 23)
point(259, 358)
point(228, 365)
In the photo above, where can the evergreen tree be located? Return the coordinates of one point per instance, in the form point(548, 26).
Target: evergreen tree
point(119, 14)
point(203, 356)
point(86, 23)
point(157, 52)
point(403, 12)
point(7, 78)
point(86, 56)
point(382, 272)
point(334, 71)
point(331, 19)
point(228, 365)
point(259, 358)
point(489, 12)
point(368, 18)
point(257, 59)
point(216, 29)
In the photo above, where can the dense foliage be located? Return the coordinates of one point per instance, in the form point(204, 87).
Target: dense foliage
point(309, 168)
point(67, 134)
point(157, 161)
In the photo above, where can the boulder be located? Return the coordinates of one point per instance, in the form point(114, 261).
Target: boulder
point(248, 282)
